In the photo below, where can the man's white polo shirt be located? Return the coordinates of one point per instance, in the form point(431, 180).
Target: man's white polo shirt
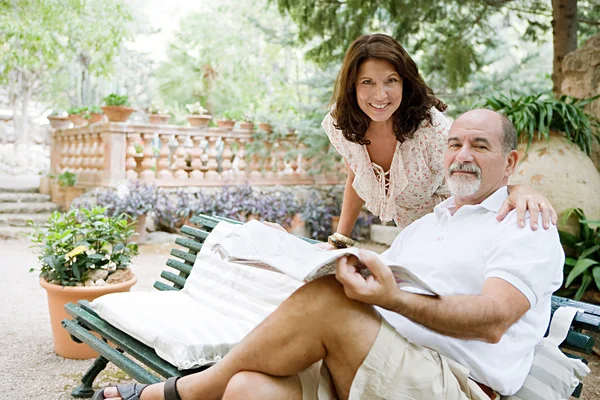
point(456, 254)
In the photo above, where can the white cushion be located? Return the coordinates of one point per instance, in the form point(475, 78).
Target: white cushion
point(219, 305)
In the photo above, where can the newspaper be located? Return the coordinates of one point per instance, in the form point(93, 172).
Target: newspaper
point(258, 245)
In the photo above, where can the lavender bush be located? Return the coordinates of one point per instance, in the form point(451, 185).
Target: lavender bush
point(134, 199)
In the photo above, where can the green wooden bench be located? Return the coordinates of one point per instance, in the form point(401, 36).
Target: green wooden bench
point(141, 361)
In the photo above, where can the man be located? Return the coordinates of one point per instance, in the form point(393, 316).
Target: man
point(474, 341)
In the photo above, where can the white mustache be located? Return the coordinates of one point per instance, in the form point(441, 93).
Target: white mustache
point(465, 168)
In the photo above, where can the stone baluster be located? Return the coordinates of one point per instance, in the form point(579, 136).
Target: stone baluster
point(148, 161)
point(241, 157)
point(66, 154)
point(114, 144)
point(162, 166)
point(180, 172)
point(300, 170)
point(77, 154)
point(84, 173)
point(130, 163)
point(226, 156)
point(211, 163)
point(72, 152)
point(255, 173)
point(270, 161)
point(196, 155)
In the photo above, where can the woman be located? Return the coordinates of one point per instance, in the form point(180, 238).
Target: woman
point(388, 126)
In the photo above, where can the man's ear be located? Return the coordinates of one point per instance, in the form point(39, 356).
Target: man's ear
point(512, 160)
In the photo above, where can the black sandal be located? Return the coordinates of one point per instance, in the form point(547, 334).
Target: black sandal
point(133, 391)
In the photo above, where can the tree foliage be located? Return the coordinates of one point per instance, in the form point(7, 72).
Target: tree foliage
point(449, 34)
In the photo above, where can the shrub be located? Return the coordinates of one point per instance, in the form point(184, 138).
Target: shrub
point(114, 99)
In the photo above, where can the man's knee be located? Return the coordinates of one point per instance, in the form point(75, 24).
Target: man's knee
point(250, 385)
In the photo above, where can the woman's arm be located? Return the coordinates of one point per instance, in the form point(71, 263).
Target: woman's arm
point(351, 207)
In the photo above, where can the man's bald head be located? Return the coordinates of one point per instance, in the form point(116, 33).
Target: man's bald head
point(493, 122)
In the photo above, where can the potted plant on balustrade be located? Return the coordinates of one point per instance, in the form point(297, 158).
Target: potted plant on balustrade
point(59, 120)
point(158, 115)
point(76, 116)
point(555, 139)
point(93, 114)
point(247, 122)
point(83, 254)
point(67, 181)
point(134, 199)
point(198, 116)
point(117, 108)
point(227, 119)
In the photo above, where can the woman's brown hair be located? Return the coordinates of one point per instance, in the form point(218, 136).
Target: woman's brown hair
point(417, 97)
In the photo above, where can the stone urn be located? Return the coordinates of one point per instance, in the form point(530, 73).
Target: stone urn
point(117, 113)
point(58, 296)
point(199, 121)
point(563, 173)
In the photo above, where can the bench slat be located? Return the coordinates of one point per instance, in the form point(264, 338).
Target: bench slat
point(205, 220)
point(135, 348)
point(197, 234)
point(185, 268)
point(163, 287)
point(579, 342)
point(184, 255)
point(189, 243)
point(171, 277)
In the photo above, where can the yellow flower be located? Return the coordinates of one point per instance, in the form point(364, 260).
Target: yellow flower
point(77, 250)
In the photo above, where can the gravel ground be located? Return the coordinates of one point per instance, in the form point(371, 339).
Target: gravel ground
point(29, 369)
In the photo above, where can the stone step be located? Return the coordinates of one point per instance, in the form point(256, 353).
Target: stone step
point(21, 197)
point(27, 208)
point(20, 220)
point(14, 232)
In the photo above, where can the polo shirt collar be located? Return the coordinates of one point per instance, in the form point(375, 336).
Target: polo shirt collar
point(492, 203)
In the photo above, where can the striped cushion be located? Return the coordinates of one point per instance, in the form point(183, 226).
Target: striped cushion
point(219, 305)
point(553, 375)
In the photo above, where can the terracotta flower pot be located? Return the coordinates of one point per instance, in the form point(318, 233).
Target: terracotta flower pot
point(71, 193)
point(159, 119)
point(77, 120)
point(58, 296)
point(95, 117)
point(58, 122)
point(265, 127)
point(225, 124)
point(249, 126)
point(140, 229)
point(199, 120)
point(117, 113)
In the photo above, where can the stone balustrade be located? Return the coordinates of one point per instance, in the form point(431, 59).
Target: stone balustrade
point(105, 154)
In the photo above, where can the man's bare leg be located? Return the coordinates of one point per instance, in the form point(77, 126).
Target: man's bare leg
point(318, 322)
point(258, 386)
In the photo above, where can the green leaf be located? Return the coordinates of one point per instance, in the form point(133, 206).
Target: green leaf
point(587, 279)
point(596, 274)
point(580, 267)
point(589, 251)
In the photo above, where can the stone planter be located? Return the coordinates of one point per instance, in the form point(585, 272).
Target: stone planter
point(58, 296)
point(77, 120)
point(57, 194)
point(140, 228)
point(199, 120)
point(57, 122)
point(559, 170)
point(95, 117)
point(71, 193)
point(225, 124)
point(248, 126)
point(117, 113)
point(159, 119)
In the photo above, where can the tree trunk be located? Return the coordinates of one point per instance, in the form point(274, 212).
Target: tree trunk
point(564, 34)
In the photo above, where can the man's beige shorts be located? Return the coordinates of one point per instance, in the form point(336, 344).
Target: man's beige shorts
point(397, 369)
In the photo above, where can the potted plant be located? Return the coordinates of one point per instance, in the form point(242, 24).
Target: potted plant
point(227, 120)
point(134, 199)
point(83, 254)
point(582, 264)
point(76, 116)
point(67, 181)
point(117, 108)
point(197, 116)
point(555, 137)
point(158, 115)
point(248, 121)
point(94, 114)
point(58, 120)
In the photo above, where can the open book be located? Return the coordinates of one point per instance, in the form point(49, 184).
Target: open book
point(258, 245)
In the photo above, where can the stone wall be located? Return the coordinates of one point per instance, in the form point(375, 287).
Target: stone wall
point(582, 80)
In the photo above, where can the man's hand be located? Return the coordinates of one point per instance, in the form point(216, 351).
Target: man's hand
point(379, 288)
point(524, 199)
